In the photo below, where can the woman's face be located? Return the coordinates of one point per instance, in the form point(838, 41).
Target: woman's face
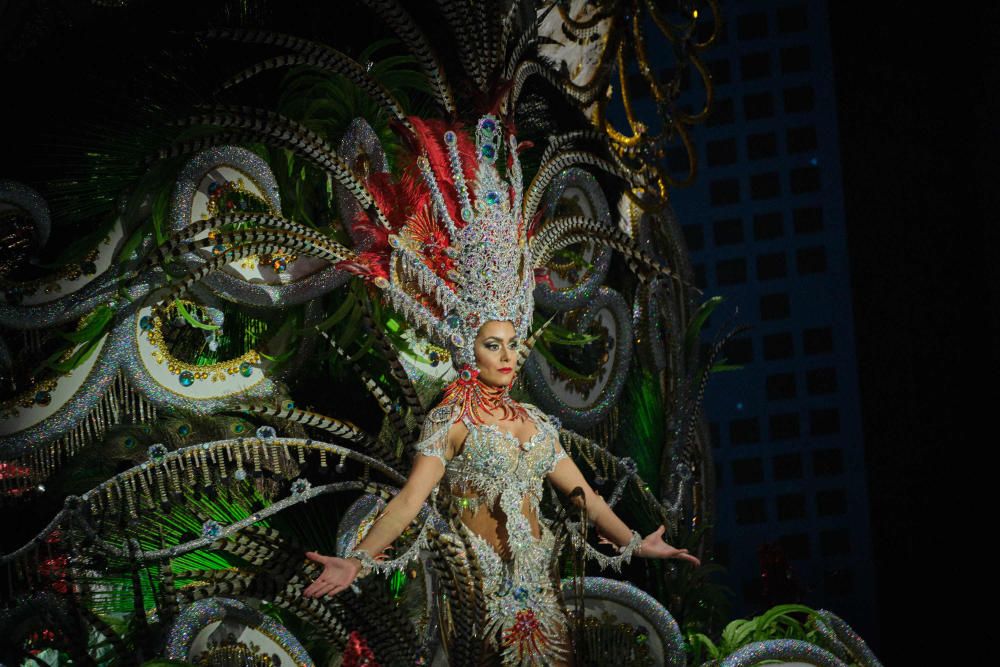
point(496, 352)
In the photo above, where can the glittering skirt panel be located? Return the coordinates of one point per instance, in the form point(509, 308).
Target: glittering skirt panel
point(526, 623)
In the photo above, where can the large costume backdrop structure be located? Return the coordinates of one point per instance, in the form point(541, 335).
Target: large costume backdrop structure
point(214, 391)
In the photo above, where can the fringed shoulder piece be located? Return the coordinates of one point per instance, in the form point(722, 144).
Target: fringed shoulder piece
point(434, 433)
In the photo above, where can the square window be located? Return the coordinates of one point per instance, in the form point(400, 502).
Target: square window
point(700, 277)
point(792, 19)
point(778, 346)
point(720, 71)
point(824, 421)
point(731, 271)
point(720, 152)
point(721, 553)
point(780, 386)
point(668, 73)
point(795, 59)
point(771, 266)
point(751, 26)
point(767, 226)
point(832, 502)
point(791, 506)
point(817, 341)
point(694, 236)
point(723, 112)
point(757, 106)
point(785, 427)
point(765, 186)
point(715, 432)
point(751, 510)
point(801, 139)
point(744, 431)
point(723, 192)
point(839, 581)
point(755, 66)
point(835, 542)
point(774, 306)
point(748, 471)
point(821, 381)
point(637, 86)
point(807, 220)
point(787, 466)
point(678, 161)
point(799, 99)
point(796, 547)
point(810, 260)
point(739, 350)
point(728, 231)
point(760, 146)
point(804, 179)
point(752, 590)
point(828, 463)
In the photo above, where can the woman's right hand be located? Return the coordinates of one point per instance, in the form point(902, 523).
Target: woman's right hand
point(338, 573)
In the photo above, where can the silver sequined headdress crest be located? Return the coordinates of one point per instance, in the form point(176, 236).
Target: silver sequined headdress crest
point(460, 257)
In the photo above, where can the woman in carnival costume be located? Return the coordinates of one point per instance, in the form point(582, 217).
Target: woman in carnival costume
point(454, 259)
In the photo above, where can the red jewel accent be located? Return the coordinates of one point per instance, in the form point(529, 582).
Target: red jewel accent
point(526, 633)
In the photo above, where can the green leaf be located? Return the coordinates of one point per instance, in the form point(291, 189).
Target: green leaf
point(697, 322)
point(80, 355)
point(96, 324)
point(561, 367)
point(134, 241)
point(339, 314)
point(191, 319)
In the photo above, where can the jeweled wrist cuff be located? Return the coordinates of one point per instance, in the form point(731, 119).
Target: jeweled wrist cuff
point(369, 564)
point(624, 553)
point(366, 566)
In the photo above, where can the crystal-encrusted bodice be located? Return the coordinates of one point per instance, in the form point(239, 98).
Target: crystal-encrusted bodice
point(493, 461)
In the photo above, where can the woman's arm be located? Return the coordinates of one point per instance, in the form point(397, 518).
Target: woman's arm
point(566, 477)
point(433, 451)
point(401, 510)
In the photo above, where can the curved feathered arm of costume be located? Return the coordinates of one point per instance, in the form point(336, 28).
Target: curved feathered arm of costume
point(250, 124)
point(309, 53)
point(410, 33)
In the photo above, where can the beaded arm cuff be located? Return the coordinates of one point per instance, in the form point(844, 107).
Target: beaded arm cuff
point(369, 564)
point(624, 553)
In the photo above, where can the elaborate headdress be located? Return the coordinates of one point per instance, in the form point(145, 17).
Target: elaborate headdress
point(454, 253)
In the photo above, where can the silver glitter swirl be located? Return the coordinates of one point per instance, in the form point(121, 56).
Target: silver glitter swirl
point(226, 285)
point(781, 649)
point(849, 639)
point(71, 307)
point(359, 140)
point(33, 203)
point(606, 394)
point(25, 432)
point(195, 617)
point(578, 184)
point(600, 595)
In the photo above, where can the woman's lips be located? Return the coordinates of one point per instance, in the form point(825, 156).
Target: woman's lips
point(505, 369)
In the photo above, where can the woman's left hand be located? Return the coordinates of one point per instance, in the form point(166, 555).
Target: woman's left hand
point(653, 546)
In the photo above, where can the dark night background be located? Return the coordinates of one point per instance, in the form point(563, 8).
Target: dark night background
point(918, 142)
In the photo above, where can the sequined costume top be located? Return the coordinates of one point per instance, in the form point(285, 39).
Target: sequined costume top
point(494, 471)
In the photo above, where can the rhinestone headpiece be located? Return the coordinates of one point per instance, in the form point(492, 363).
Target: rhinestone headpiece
point(458, 256)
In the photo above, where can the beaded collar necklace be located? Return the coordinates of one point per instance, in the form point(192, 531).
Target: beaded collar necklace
point(474, 397)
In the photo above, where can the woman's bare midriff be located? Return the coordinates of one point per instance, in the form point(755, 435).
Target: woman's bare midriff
point(491, 524)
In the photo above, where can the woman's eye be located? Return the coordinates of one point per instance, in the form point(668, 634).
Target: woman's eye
point(492, 346)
